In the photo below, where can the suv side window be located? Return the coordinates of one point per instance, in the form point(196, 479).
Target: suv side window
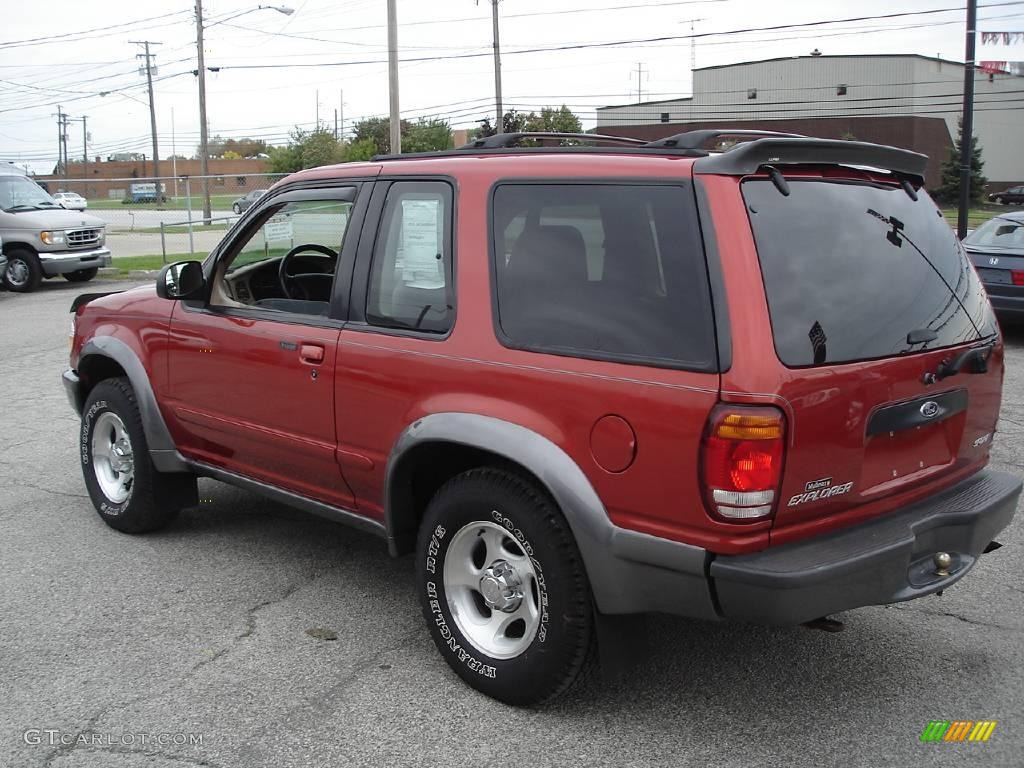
point(411, 272)
point(603, 271)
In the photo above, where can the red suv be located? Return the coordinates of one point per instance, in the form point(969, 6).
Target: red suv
point(577, 381)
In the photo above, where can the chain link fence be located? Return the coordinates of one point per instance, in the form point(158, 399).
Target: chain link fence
point(153, 221)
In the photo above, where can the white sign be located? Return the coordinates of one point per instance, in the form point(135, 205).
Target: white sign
point(277, 228)
point(420, 251)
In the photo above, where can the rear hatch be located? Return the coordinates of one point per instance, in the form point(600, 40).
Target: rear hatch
point(892, 366)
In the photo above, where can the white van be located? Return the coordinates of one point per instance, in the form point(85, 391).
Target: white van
point(42, 239)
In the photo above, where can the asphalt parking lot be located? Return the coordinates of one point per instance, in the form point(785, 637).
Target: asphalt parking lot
point(201, 631)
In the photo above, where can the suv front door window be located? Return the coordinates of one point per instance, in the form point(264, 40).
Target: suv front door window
point(288, 263)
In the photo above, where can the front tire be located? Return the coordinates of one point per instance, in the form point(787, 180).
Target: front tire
point(125, 488)
point(503, 588)
point(81, 275)
point(24, 273)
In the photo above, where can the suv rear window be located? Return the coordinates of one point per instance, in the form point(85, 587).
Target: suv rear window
point(844, 279)
point(603, 271)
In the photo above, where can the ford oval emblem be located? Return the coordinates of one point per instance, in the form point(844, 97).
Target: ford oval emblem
point(930, 409)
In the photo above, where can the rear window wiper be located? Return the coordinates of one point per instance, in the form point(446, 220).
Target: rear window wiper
point(921, 336)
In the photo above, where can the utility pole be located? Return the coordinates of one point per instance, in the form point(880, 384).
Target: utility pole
point(498, 110)
point(85, 152)
point(341, 114)
point(174, 156)
point(152, 106)
point(693, 49)
point(335, 125)
point(204, 150)
point(317, 109)
point(85, 147)
point(60, 140)
point(639, 81)
point(967, 126)
point(396, 120)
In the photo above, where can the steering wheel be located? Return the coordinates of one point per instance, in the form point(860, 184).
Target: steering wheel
point(286, 279)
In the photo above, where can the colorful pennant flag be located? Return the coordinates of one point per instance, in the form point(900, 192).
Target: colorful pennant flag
point(1002, 38)
point(1002, 67)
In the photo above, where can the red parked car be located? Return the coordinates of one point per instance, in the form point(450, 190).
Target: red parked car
point(577, 381)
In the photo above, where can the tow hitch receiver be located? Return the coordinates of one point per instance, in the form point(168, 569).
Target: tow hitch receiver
point(825, 624)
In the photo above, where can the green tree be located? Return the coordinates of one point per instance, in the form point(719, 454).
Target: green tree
point(359, 151)
point(283, 159)
point(426, 136)
point(948, 191)
point(560, 120)
point(512, 122)
point(421, 136)
point(378, 130)
point(550, 120)
point(245, 147)
point(305, 149)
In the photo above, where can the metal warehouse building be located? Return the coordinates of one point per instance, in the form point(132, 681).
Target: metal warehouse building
point(905, 100)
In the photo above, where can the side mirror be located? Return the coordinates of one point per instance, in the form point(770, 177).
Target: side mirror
point(182, 280)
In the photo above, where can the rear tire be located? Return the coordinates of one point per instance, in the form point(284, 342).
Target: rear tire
point(24, 273)
point(236, 208)
point(126, 489)
point(503, 588)
point(81, 275)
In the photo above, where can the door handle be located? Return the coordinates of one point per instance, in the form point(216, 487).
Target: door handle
point(311, 353)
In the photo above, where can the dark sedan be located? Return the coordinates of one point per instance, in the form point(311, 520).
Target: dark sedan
point(243, 203)
point(1012, 195)
point(997, 250)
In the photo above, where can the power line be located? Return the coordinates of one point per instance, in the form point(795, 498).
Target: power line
point(104, 29)
point(614, 43)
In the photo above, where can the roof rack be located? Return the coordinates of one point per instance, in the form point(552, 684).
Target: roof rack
point(751, 156)
point(506, 140)
point(697, 139)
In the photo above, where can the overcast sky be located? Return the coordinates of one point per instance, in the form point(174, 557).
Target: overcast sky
point(267, 102)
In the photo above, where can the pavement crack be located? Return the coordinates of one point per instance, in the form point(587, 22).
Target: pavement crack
point(65, 494)
point(120, 750)
point(958, 617)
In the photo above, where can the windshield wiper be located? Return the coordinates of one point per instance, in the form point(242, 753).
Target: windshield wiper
point(21, 207)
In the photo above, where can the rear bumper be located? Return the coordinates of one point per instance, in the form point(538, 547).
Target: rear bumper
point(886, 560)
point(62, 262)
point(1006, 305)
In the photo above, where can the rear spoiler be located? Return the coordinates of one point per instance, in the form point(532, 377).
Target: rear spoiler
point(84, 298)
point(750, 156)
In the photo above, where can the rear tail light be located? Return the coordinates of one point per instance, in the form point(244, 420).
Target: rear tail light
point(1018, 276)
point(742, 462)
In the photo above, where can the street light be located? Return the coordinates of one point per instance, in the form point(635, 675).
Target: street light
point(204, 152)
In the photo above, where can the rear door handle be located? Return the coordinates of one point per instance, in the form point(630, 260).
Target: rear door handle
point(311, 353)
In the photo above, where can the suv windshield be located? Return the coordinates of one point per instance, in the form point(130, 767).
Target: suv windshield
point(998, 233)
point(19, 193)
point(852, 268)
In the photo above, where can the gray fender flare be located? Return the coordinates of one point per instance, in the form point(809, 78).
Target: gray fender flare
point(628, 571)
point(162, 449)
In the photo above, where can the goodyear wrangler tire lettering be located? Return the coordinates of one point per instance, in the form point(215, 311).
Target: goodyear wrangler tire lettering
point(126, 490)
point(504, 593)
